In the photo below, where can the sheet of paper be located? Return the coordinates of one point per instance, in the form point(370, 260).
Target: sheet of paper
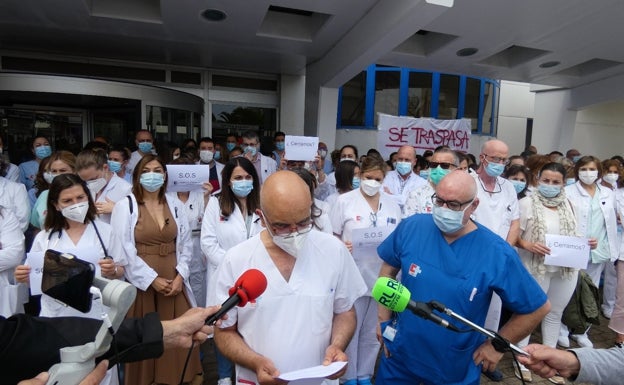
point(300, 147)
point(35, 261)
point(186, 177)
point(365, 241)
point(312, 376)
point(567, 251)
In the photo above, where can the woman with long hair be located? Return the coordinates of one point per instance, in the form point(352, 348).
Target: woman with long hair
point(151, 232)
point(229, 220)
point(347, 178)
point(520, 177)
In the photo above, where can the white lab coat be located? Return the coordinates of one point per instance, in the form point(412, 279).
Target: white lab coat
point(11, 255)
point(219, 234)
point(581, 202)
point(267, 167)
point(138, 272)
point(323, 222)
point(13, 173)
point(14, 197)
point(400, 188)
point(115, 190)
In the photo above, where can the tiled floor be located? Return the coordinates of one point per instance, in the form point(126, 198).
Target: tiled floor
point(601, 336)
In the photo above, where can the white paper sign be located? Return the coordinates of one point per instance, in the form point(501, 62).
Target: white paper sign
point(35, 261)
point(312, 376)
point(567, 251)
point(186, 177)
point(365, 241)
point(300, 147)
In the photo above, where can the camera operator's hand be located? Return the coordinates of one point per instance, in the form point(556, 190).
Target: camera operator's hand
point(190, 326)
point(94, 378)
point(161, 285)
point(22, 273)
point(176, 286)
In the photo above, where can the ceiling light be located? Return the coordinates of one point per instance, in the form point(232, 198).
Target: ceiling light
point(467, 52)
point(214, 15)
point(549, 64)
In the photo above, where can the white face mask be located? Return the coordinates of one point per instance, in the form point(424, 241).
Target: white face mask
point(76, 212)
point(96, 185)
point(370, 186)
point(206, 156)
point(48, 177)
point(611, 178)
point(588, 177)
point(291, 243)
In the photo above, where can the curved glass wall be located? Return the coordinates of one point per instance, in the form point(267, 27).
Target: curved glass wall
point(411, 92)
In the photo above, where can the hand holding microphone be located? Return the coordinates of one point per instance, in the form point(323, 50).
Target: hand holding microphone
point(249, 286)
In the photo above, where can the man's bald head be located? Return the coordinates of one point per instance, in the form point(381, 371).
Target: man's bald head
point(284, 196)
point(406, 154)
point(458, 186)
point(495, 147)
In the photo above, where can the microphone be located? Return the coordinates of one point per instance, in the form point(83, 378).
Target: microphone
point(249, 286)
point(396, 297)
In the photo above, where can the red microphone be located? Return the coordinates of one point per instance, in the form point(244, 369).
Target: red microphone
point(249, 286)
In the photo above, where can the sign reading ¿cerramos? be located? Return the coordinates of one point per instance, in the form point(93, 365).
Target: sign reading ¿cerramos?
point(300, 147)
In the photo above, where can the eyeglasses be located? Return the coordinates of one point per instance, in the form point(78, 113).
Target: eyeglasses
point(452, 205)
point(497, 159)
point(286, 228)
point(444, 165)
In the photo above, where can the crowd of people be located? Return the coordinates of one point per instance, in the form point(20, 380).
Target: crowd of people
point(469, 231)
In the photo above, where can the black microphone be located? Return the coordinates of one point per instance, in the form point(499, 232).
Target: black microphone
point(249, 286)
point(396, 297)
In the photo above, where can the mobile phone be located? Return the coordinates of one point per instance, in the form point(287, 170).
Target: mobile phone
point(68, 279)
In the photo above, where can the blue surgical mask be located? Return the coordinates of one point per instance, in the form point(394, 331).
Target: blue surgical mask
point(280, 146)
point(43, 151)
point(230, 146)
point(252, 150)
point(355, 182)
point(519, 186)
point(217, 155)
point(570, 181)
point(145, 147)
point(437, 174)
point(424, 174)
point(242, 188)
point(403, 168)
point(549, 190)
point(447, 220)
point(494, 169)
point(114, 166)
point(576, 158)
point(152, 181)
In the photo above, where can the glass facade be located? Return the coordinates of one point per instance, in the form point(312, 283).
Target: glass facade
point(410, 92)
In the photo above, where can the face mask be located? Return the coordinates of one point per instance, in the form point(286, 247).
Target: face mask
point(611, 178)
point(230, 146)
point(519, 186)
point(152, 181)
point(576, 158)
point(322, 153)
point(447, 220)
point(252, 150)
point(76, 212)
point(280, 146)
point(206, 156)
point(43, 151)
point(403, 168)
point(437, 174)
point(291, 243)
point(48, 177)
point(494, 169)
point(145, 147)
point(370, 187)
point(217, 155)
point(355, 182)
point(176, 157)
point(548, 190)
point(588, 177)
point(114, 166)
point(96, 185)
point(424, 174)
point(345, 159)
point(242, 188)
point(570, 181)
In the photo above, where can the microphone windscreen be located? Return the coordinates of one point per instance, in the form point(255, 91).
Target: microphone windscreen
point(391, 294)
point(252, 282)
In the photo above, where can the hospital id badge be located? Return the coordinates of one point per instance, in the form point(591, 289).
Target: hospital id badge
point(389, 333)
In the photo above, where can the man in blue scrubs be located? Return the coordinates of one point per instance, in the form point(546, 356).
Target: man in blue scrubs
point(450, 258)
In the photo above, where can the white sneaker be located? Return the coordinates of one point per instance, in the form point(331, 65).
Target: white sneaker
point(563, 339)
point(225, 381)
point(582, 340)
point(606, 312)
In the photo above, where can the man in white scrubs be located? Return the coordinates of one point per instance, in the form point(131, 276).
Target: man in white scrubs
point(399, 182)
point(305, 317)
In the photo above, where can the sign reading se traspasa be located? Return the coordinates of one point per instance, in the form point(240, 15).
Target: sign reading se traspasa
point(421, 133)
